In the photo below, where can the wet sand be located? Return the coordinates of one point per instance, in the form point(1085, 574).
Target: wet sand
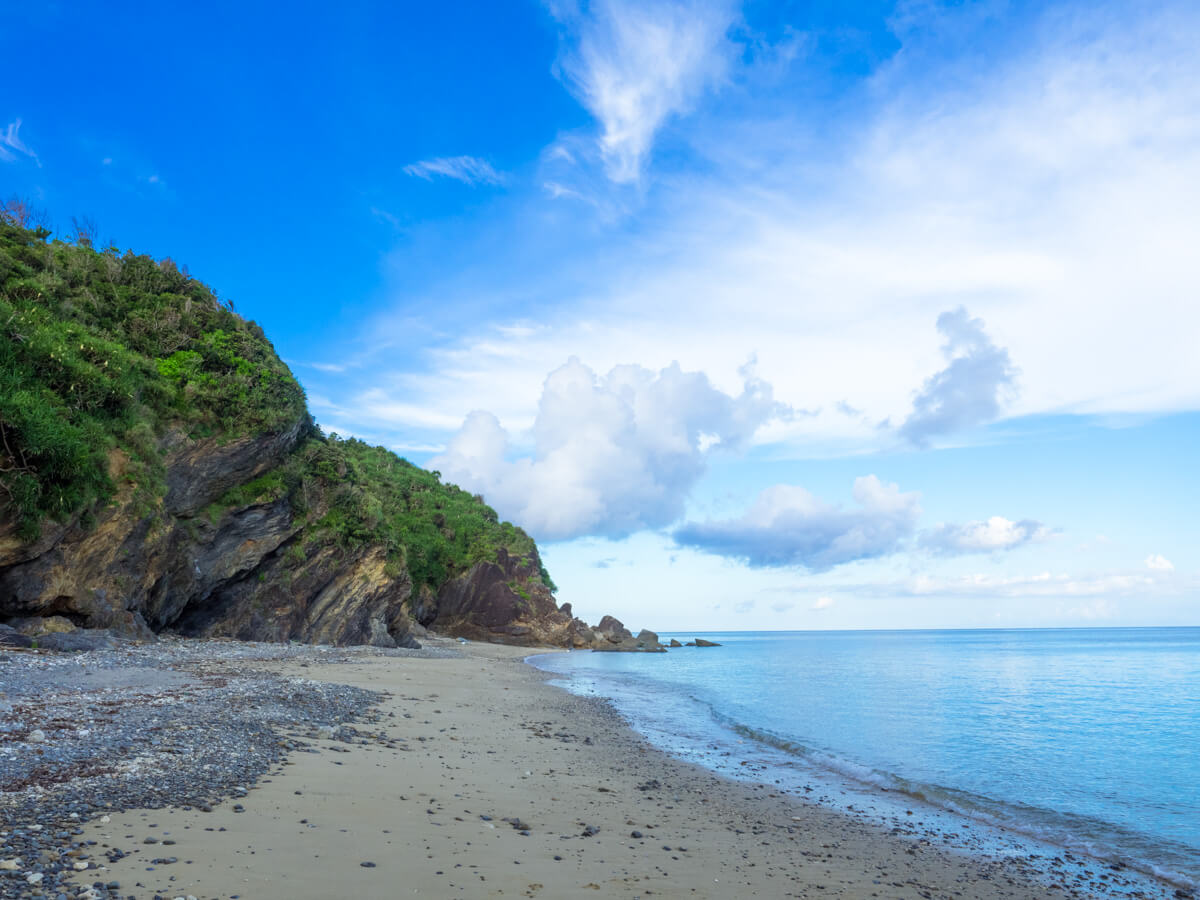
point(480, 780)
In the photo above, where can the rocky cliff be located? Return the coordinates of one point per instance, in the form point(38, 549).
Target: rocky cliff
point(264, 571)
point(159, 471)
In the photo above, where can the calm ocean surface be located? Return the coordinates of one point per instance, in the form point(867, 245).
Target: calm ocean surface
point(1086, 738)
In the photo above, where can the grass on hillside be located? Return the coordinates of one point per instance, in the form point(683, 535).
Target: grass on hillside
point(105, 351)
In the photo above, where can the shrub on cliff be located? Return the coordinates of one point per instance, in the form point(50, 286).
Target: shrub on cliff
point(104, 352)
point(96, 343)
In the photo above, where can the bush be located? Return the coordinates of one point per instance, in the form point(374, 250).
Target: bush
point(96, 346)
point(103, 353)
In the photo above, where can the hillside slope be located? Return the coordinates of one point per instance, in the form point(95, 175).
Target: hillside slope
point(159, 470)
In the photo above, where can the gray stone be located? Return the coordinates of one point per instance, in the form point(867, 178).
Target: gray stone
point(10, 637)
point(78, 641)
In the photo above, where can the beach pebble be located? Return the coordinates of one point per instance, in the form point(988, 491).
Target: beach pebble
point(37, 736)
point(367, 865)
point(10, 865)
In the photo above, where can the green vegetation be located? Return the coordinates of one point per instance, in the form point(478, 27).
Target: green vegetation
point(352, 494)
point(434, 530)
point(102, 352)
point(105, 352)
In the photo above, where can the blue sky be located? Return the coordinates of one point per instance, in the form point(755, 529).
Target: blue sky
point(762, 315)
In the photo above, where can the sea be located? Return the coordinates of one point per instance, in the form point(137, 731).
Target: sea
point(1030, 740)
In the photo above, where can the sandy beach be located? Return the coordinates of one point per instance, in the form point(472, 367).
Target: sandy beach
point(477, 779)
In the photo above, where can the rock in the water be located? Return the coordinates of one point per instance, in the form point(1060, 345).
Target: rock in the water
point(612, 630)
point(674, 643)
point(700, 642)
point(645, 642)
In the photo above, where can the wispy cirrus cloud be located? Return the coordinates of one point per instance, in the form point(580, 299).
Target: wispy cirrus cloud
point(636, 63)
point(468, 169)
point(1012, 194)
point(11, 144)
point(1042, 584)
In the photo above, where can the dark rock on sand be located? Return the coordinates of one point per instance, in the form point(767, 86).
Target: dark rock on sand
point(10, 637)
point(79, 641)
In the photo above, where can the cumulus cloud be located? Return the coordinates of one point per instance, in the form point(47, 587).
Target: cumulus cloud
point(788, 526)
point(11, 144)
point(996, 533)
point(635, 63)
point(467, 169)
point(969, 391)
point(613, 454)
point(1159, 563)
point(822, 603)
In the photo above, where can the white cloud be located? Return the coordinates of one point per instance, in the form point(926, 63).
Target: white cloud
point(969, 390)
point(1014, 195)
point(467, 169)
point(11, 144)
point(1043, 192)
point(636, 63)
point(996, 533)
point(612, 454)
point(1159, 563)
point(822, 603)
point(1043, 584)
point(788, 526)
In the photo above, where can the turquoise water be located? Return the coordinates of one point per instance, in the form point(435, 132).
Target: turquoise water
point(1085, 738)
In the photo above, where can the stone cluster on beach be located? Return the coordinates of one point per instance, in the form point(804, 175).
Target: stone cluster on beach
point(175, 723)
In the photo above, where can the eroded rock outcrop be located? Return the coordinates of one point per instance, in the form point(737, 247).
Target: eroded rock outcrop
point(159, 471)
point(252, 571)
point(241, 571)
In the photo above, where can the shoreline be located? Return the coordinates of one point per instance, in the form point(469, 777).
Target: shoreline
point(741, 753)
point(471, 776)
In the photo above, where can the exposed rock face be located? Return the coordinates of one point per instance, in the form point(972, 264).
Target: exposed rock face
point(241, 575)
point(247, 572)
point(497, 602)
